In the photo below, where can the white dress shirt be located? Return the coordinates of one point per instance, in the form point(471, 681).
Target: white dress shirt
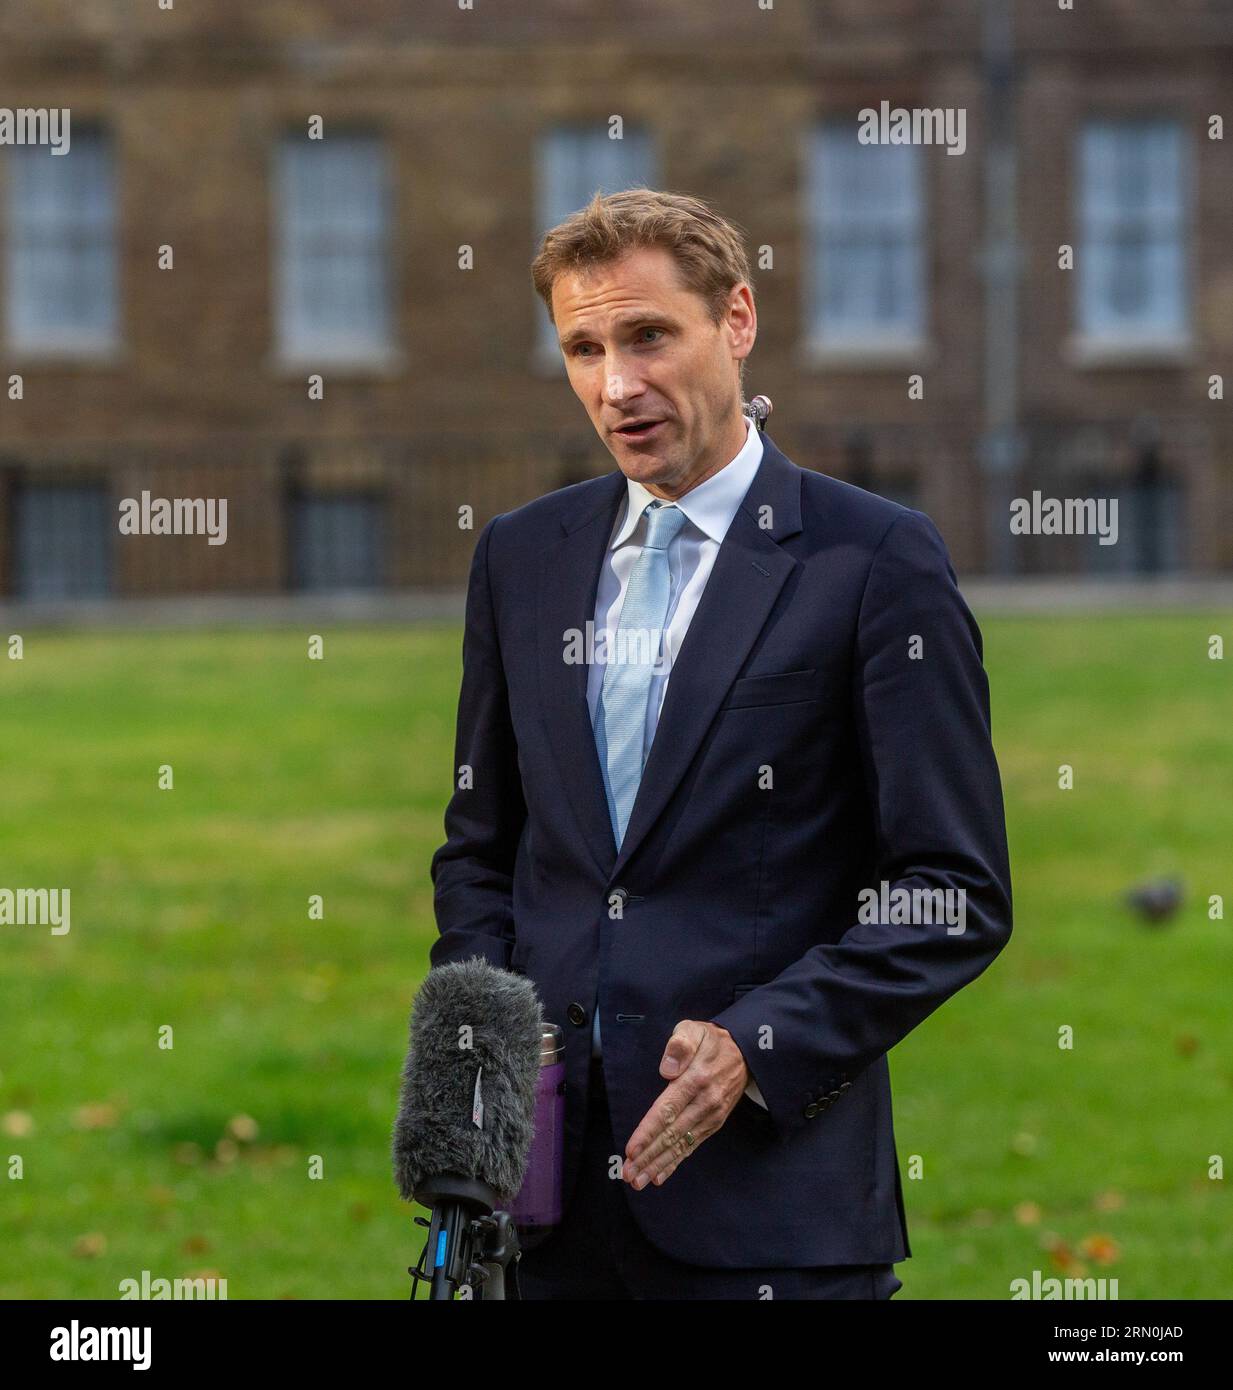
point(709, 509)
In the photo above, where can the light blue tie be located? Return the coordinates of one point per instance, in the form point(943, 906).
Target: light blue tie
point(634, 651)
point(620, 713)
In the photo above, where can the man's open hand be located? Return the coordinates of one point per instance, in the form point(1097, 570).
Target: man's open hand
point(709, 1076)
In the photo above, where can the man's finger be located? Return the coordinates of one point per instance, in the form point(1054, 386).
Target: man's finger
point(682, 1047)
point(663, 1114)
point(669, 1146)
point(701, 1114)
point(685, 1044)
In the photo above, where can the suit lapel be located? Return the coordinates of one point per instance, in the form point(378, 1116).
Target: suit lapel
point(568, 582)
point(749, 572)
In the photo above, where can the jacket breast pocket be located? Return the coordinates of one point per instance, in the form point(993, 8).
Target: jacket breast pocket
point(778, 688)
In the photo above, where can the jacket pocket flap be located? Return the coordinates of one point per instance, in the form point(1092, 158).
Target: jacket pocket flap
point(778, 688)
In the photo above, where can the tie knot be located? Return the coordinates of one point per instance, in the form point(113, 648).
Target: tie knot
point(662, 524)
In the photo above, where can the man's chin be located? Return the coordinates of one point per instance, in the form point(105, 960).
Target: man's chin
point(644, 465)
point(647, 469)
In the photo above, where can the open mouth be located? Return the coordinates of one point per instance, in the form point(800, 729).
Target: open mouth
point(642, 431)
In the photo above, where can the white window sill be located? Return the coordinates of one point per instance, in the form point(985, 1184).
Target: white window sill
point(83, 353)
point(1087, 352)
point(332, 362)
point(859, 355)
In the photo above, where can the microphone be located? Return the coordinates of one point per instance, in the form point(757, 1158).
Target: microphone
point(760, 409)
point(465, 1117)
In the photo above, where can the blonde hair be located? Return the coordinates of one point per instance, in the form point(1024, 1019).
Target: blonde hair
point(709, 250)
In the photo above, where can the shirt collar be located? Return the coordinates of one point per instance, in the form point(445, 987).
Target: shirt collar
point(711, 505)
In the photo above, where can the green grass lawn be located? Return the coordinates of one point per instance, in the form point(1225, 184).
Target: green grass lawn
point(294, 777)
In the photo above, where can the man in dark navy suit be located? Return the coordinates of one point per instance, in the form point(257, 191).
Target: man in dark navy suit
point(726, 795)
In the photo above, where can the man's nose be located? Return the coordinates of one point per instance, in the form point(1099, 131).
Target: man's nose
point(621, 386)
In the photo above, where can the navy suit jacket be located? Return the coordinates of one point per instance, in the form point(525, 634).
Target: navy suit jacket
point(803, 754)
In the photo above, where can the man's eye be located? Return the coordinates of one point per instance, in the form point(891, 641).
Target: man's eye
point(581, 349)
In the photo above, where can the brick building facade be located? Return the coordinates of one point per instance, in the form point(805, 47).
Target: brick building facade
point(391, 259)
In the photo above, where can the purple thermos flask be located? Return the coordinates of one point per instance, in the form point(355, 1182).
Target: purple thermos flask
point(539, 1199)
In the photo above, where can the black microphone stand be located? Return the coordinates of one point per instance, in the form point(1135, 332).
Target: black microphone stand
point(470, 1243)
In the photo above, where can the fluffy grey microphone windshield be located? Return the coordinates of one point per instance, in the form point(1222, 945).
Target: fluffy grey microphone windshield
point(469, 1015)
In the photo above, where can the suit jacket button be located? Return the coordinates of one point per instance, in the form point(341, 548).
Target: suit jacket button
point(620, 894)
point(824, 1105)
point(845, 1086)
point(811, 1110)
point(576, 1014)
point(834, 1095)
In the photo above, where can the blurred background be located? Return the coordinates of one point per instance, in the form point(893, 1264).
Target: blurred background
point(392, 258)
point(169, 288)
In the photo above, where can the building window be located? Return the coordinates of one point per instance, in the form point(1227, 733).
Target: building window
point(62, 540)
point(332, 278)
point(60, 270)
point(1151, 521)
point(895, 484)
point(573, 163)
point(1131, 254)
point(899, 487)
point(864, 282)
point(337, 541)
